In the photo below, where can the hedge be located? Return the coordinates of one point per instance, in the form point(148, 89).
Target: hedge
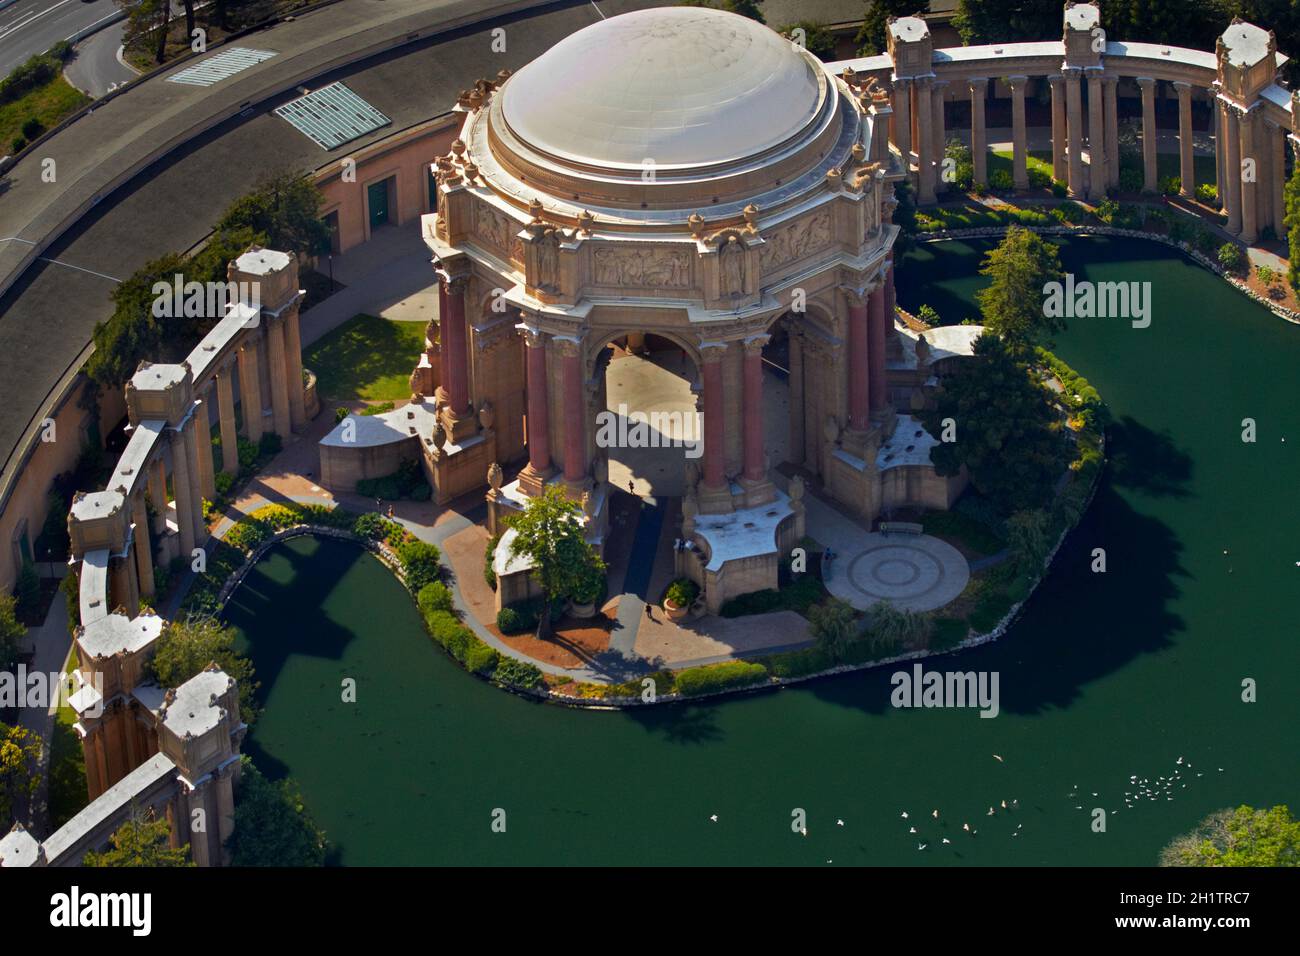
point(713, 678)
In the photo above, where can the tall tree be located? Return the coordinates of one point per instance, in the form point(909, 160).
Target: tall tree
point(284, 208)
point(1013, 302)
point(272, 825)
point(549, 531)
point(1292, 221)
point(20, 758)
point(817, 40)
point(187, 647)
point(132, 333)
point(11, 632)
point(989, 21)
point(871, 36)
point(1241, 837)
point(141, 841)
point(147, 22)
point(1006, 432)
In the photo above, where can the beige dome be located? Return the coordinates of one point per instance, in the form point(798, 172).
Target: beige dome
point(682, 86)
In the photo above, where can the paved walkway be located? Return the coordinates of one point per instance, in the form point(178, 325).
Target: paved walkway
point(52, 640)
point(917, 572)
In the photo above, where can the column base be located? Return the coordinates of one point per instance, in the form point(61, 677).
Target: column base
point(715, 501)
point(532, 482)
point(458, 426)
point(754, 492)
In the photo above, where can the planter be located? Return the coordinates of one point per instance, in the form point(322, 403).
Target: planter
point(674, 612)
point(582, 610)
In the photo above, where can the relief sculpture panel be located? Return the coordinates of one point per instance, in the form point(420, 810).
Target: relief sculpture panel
point(640, 267)
point(795, 241)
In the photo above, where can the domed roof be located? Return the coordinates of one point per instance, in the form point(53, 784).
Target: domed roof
point(681, 86)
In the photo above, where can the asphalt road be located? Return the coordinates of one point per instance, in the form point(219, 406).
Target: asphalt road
point(28, 27)
point(96, 69)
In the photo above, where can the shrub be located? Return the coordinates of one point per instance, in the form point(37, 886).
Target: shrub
point(378, 409)
point(435, 596)
point(420, 562)
point(896, 626)
point(247, 454)
point(929, 316)
point(517, 673)
point(832, 626)
point(1170, 186)
point(991, 608)
point(224, 482)
point(1207, 193)
point(1000, 181)
point(489, 574)
point(1038, 179)
point(1059, 189)
point(481, 659)
point(947, 633)
point(810, 660)
point(1131, 180)
point(340, 413)
point(459, 641)
point(18, 144)
point(370, 526)
point(713, 678)
point(33, 128)
point(1230, 257)
point(515, 620)
point(682, 592)
point(1071, 212)
point(1266, 274)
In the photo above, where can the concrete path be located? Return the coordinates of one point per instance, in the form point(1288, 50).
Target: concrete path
point(52, 641)
point(917, 572)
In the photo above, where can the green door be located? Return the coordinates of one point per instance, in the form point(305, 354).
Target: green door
point(378, 196)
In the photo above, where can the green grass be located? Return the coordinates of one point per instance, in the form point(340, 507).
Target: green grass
point(50, 104)
point(67, 770)
point(1039, 159)
point(367, 358)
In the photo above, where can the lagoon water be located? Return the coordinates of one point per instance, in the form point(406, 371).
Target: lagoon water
point(1104, 676)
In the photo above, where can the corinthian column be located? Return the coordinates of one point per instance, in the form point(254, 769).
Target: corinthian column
point(1248, 180)
point(715, 451)
point(860, 377)
point(140, 544)
point(575, 431)
point(250, 389)
point(454, 390)
point(1149, 180)
point(1232, 169)
point(226, 412)
point(1074, 126)
point(925, 161)
point(939, 130)
point(275, 365)
point(755, 462)
point(1098, 177)
point(183, 490)
point(978, 144)
point(1186, 163)
point(1019, 139)
point(877, 332)
point(1109, 85)
point(903, 119)
point(1056, 82)
point(539, 415)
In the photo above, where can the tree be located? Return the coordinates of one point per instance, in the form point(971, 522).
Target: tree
point(990, 21)
point(20, 759)
point(185, 650)
point(147, 21)
point(272, 826)
point(132, 334)
point(871, 38)
point(12, 632)
point(550, 533)
point(817, 40)
point(894, 626)
point(1013, 303)
point(1028, 539)
point(284, 209)
point(1292, 221)
point(1006, 432)
point(141, 841)
point(833, 624)
point(1241, 837)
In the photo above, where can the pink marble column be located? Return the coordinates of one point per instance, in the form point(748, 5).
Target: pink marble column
point(575, 431)
point(539, 417)
point(877, 330)
point(859, 361)
point(755, 462)
point(715, 451)
point(455, 373)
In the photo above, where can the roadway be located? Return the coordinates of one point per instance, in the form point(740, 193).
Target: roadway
point(28, 27)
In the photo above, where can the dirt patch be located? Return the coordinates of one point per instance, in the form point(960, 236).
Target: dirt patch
point(574, 642)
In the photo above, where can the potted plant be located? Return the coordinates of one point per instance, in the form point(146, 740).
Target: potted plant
point(582, 602)
point(680, 596)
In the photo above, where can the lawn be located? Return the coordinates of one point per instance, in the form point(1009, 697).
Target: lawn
point(366, 358)
point(1039, 159)
point(50, 104)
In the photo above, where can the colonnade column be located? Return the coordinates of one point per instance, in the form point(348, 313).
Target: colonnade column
point(796, 396)
point(903, 118)
point(1074, 130)
point(1277, 146)
point(452, 336)
point(1149, 179)
point(715, 451)
point(226, 413)
point(141, 545)
point(1231, 187)
point(755, 461)
point(293, 369)
point(1019, 141)
point(861, 378)
point(925, 160)
point(1109, 86)
point(1186, 163)
point(250, 389)
point(539, 415)
point(1058, 127)
point(1098, 178)
point(183, 490)
point(876, 337)
point(939, 129)
point(575, 431)
point(275, 364)
point(190, 433)
point(1219, 120)
point(1249, 185)
point(203, 449)
point(158, 493)
point(978, 146)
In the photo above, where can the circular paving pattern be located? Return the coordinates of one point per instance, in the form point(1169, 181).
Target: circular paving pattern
point(912, 571)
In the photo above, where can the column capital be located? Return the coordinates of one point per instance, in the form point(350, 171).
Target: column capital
point(937, 85)
point(1183, 87)
point(754, 344)
point(1110, 79)
point(567, 345)
point(712, 352)
point(856, 294)
point(1146, 82)
point(1055, 79)
point(978, 83)
point(1017, 83)
point(534, 337)
point(901, 81)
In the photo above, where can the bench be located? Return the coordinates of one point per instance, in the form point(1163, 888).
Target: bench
point(900, 527)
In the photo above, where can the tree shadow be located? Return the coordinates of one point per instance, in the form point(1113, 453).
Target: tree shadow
point(679, 723)
point(1146, 461)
